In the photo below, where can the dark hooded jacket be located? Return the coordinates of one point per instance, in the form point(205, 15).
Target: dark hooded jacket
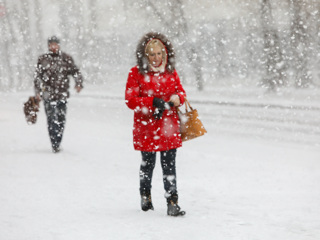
point(52, 76)
point(143, 85)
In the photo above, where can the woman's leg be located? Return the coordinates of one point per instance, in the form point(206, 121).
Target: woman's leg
point(168, 164)
point(146, 172)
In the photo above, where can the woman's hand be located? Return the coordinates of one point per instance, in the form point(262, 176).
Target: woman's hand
point(175, 99)
point(160, 106)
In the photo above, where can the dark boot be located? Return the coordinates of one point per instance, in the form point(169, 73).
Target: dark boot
point(55, 149)
point(146, 202)
point(173, 207)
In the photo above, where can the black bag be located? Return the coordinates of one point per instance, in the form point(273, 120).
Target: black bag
point(31, 107)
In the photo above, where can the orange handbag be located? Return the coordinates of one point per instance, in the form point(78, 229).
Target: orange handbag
point(190, 125)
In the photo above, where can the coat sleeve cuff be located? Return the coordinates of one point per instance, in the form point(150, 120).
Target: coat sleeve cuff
point(182, 98)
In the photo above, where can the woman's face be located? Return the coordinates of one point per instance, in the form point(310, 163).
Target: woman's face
point(155, 56)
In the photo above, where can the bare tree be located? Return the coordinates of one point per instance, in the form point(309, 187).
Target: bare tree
point(300, 41)
point(174, 20)
point(64, 25)
point(313, 28)
point(38, 23)
point(26, 34)
point(79, 27)
point(221, 50)
point(92, 40)
point(72, 28)
point(5, 31)
point(273, 57)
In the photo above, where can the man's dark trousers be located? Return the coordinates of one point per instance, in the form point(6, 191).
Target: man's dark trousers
point(56, 117)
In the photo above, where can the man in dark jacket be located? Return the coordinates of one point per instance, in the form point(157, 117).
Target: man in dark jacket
point(52, 85)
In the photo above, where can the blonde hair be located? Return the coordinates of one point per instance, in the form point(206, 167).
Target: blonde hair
point(152, 44)
point(155, 42)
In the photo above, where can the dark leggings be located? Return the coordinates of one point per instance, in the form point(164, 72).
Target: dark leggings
point(168, 164)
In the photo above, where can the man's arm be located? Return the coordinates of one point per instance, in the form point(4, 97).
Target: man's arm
point(37, 79)
point(76, 74)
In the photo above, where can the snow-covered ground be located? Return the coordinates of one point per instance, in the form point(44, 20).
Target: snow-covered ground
point(255, 175)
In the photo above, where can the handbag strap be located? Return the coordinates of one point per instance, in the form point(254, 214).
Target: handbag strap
point(32, 101)
point(186, 104)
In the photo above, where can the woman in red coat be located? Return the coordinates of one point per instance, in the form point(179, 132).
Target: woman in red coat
point(154, 91)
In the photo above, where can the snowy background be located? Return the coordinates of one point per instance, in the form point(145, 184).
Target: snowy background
point(250, 68)
point(255, 175)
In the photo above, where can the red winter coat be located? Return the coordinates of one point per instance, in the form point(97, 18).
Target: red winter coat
point(149, 134)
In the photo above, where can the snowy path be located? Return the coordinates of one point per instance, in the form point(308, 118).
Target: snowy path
point(274, 122)
point(235, 182)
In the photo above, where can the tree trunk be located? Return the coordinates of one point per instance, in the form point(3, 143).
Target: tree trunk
point(92, 57)
point(39, 32)
point(27, 53)
point(64, 8)
point(6, 31)
point(300, 45)
point(176, 24)
point(273, 57)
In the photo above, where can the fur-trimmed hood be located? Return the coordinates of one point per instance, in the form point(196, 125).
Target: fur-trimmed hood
point(142, 59)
